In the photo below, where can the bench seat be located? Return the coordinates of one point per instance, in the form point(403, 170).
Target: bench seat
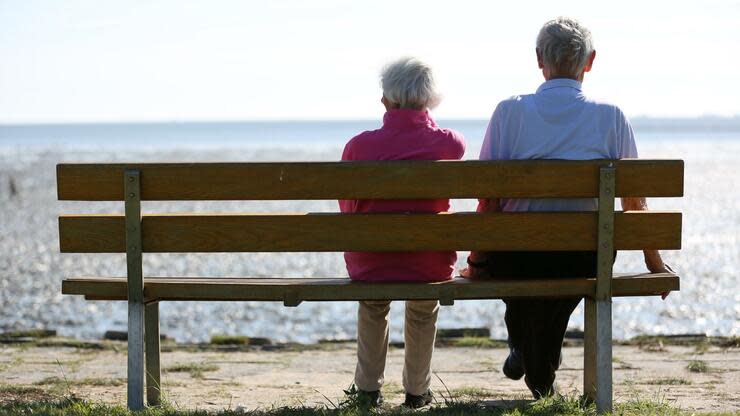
point(294, 291)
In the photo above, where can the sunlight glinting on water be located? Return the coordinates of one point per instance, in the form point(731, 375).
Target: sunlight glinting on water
point(32, 268)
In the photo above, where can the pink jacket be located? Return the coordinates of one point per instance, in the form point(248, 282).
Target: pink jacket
point(406, 135)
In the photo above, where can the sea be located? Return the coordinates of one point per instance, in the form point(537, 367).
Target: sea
point(31, 267)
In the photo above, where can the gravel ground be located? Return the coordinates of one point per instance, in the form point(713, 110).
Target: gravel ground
point(316, 377)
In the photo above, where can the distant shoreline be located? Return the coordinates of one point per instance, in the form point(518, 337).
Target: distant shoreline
point(712, 123)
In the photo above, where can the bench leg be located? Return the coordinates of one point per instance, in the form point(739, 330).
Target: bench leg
point(153, 383)
point(135, 355)
point(597, 354)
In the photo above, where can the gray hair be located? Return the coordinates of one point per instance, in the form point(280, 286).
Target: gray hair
point(565, 45)
point(409, 83)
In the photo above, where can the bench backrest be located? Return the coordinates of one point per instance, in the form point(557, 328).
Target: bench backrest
point(368, 180)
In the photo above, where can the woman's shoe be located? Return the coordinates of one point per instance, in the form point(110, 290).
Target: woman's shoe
point(369, 398)
point(363, 398)
point(414, 402)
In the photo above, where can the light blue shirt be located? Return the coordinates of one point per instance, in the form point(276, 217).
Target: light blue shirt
point(557, 122)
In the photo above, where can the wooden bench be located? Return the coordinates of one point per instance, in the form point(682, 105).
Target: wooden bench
point(135, 234)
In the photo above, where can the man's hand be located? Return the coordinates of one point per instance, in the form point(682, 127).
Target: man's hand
point(659, 267)
point(655, 264)
point(653, 261)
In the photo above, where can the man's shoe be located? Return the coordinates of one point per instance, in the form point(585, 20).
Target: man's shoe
point(514, 365)
point(414, 402)
point(542, 391)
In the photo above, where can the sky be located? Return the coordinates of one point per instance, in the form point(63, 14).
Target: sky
point(180, 60)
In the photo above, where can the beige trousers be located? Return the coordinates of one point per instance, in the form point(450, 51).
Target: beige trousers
point(372, 344)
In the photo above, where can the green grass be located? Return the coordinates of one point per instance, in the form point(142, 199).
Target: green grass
point(668, 381)
point(729, 342)
point(60, 386)
point(622, 365)
point(229, 340)
point(469, 392)
point(651, 344)
point(78, 344)
point(195, 370)
point(701, 348)
point(55, 385)
point(29, 333)
point(32, 394)
point(463, 332)
point(239, 340)
point(545, 407)
point(10, 389)
point(392, 389)
point(475, 342)
point(697, 366)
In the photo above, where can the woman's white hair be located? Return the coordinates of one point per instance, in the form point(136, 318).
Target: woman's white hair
point(409, 83)
point(565, 45)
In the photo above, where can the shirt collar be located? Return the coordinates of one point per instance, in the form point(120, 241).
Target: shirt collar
point(406, 117)
point(559, 83)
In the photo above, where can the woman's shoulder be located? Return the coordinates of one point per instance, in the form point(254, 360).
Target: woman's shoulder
point(366, 136)
point(452, 140)
point(359, 144)
point(453, 135)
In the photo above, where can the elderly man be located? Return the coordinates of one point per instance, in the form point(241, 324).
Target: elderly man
point(556, 122)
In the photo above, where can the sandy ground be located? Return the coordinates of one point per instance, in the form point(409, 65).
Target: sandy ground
point(262, 379)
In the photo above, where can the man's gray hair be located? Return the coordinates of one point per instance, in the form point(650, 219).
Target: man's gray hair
point(565, 45)
point(409, 83)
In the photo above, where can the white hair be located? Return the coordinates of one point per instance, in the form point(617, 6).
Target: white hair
point(565, 45)
point(409, 83)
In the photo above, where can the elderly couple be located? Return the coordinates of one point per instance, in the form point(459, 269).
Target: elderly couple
point(556, 122)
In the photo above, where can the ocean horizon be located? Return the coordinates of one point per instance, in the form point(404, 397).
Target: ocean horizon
point(143, 135)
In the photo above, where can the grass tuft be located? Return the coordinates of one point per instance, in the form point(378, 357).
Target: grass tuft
point(195, 370)
point(19, 389)
point(470, 392)
point(730, 342)
point(697, 366)
point(668, 381)
point(651, 344)
point(474, 342)
point(230, 340)
point(701, 348)
point(29, 333)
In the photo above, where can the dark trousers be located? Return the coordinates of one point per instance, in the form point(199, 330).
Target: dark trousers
point(537, 326)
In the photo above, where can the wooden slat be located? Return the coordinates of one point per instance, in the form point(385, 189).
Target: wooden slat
point(369, 180)
point(370, 232)
point(338, 289)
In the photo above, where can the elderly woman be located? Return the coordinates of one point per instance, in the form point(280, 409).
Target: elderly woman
point(408, 133)
point(556, 122)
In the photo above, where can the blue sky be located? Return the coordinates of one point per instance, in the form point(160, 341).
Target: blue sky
point(87, 61)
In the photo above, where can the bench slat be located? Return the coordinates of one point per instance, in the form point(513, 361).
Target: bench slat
point(634, 230)
point(369, 180)
point(342, 289)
